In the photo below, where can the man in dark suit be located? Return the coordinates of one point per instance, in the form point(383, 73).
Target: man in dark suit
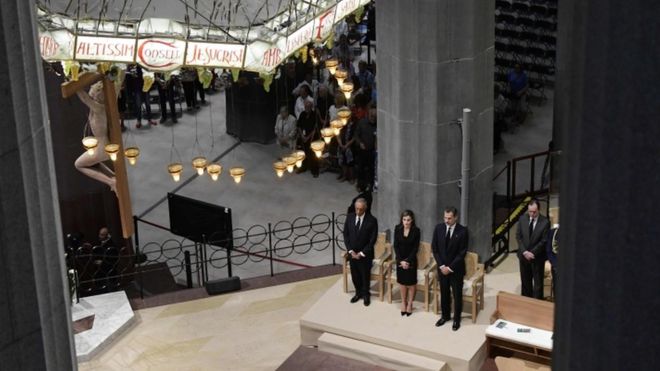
point(532, 235)
point(360, 232)
point(449, 245)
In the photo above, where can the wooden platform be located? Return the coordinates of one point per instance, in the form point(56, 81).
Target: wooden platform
point(382, 325)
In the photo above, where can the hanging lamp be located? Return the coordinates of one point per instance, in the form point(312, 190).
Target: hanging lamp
point(290, 162)
point(344, 114)
point(300, 157)
point(132, 154)
point(331, 64)
point(341, 75)
point(175, 169)
point(214, 171)
point(317, 147)
point(335, 126)
point(347, 89)
point(280, 167)
point(237, 173)
point(112, 149)
point(327, 134)
point(90, 143)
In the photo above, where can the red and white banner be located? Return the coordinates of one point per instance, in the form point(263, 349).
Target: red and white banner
point(111, 49)
point(56, 45)
point(160, 54)
point(323, 24)
point(347, 7)
point(215, 55)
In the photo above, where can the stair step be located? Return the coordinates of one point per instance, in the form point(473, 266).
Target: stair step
point(377, 354)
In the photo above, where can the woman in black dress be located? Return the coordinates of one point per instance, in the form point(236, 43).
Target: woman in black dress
point(406, 244)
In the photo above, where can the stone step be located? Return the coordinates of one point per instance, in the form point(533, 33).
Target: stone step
point(377, 354)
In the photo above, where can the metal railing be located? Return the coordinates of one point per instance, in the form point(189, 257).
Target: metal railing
point(535, 186)
point(175, 262)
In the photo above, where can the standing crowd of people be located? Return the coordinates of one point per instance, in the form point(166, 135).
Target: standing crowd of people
point(311, 104)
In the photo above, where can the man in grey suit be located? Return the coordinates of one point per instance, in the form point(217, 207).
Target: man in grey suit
point(531, 235)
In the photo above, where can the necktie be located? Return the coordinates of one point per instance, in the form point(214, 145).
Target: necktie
point(357, 225)
point(531, 227)
point(447, 236)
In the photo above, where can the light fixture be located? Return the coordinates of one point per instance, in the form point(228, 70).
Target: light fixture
point(237, 173)
point(132, 154)
point(199, 164)
point(175, 169)
point(315, 57)
point(90, 144)
point(335, 126)
point(279, 167)
point(344, 114)
point(112, 150)
point(347, 89)
point(327, 134)
point(214, 171)
point(317, 147)
point(331, 64)
point(290, 162)
point(340, 75)
point(300, 157)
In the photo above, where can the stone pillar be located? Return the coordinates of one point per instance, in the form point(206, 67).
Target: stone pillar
point(35, 325)
point(434, 59)
point(608, 84)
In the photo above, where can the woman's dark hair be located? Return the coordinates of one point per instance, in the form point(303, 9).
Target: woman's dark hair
point(407, 213)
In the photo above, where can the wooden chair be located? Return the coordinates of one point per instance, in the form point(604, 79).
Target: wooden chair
point(382, 255)
point(473, 286)
point(426, 273)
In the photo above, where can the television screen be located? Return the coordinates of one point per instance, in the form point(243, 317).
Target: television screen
point(200, 221)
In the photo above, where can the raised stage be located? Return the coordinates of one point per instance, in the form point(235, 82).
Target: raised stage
point(379, 335)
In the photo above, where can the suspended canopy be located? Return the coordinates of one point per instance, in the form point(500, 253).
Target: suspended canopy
point(255, 35)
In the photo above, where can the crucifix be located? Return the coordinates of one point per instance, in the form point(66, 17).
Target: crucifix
point(104, 122)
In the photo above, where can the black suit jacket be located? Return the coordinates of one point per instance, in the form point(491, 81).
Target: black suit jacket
point(364, 239)
point(536, 242)
point(452, 256)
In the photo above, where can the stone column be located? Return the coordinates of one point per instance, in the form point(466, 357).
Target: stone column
point(434, 59)
point(35, 325)
point(608, 84)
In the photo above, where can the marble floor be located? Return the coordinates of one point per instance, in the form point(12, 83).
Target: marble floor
point(252, 330)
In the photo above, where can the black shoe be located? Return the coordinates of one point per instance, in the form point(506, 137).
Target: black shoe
point(174, 120)
point(163, 119)
point(403, 313)
point(456, 326)
point(367, 301)
point(441, 322)
point(355, 299)
point(408, 314)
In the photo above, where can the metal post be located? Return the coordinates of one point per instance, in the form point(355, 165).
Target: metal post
point(206, 261)
point(229, 248)
point(186, 257)
point(270, 247)
point(531, 178)
point(137, 254)
point(465, 167)
point(334, 240)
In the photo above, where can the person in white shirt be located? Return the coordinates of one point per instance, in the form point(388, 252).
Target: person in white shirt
point(312, 84)
point(285, 129)
point(340, 102)
point(305, 95)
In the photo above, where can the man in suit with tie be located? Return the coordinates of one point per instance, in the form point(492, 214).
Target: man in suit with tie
point(532, 235)
point(360, 232)
point(449, 245)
